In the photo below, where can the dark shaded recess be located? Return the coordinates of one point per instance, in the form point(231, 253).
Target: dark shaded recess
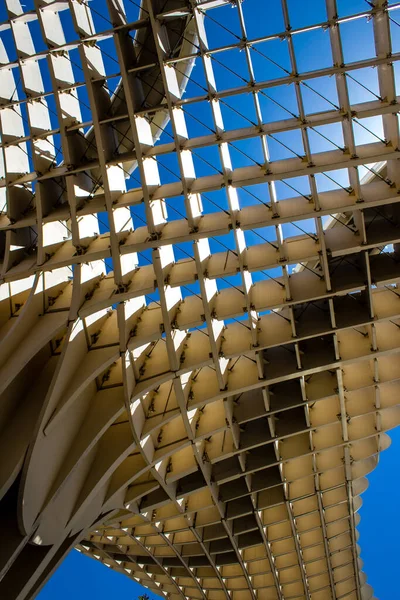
point(190, 549)
point(265, 479)
point(382, 224)
point(244, 524)
point(290, 422)
point(169, 561)
point(317, 352)
point(89, 544)
point(262, 456)
point(178, 572)
point(233, 489)
point(214, 532)
point(21, 203)
point(260, 480)
point(239, 507)
point(223, 545)
point(191, 483)
point(154, 499)
point(384, 267)
point(279, 361)
point(352, 309)
point(312, 318)
point(229, 467)
point(198, 561)
point(143, 560)
point(256, 459)
point(285, 395)
point(248, 406)
point(347, 272)
point(254, 434)
point(11, 538)
point(114, 553)
point(246, 540)
point(271, 497)
point(227, 558)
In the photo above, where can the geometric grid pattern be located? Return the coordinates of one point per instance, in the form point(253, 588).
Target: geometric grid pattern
point(198, 367)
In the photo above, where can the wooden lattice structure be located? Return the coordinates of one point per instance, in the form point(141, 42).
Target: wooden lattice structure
point(200, 419)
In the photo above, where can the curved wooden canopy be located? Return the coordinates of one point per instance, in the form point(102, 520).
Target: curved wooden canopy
point(195, 401)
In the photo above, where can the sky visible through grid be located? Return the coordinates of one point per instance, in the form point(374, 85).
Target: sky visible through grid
point(79, 575)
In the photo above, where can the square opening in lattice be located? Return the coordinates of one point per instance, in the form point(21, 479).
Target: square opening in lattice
point(222, 26)
point(269, 18)
point(176, 209)
point(312, 12)
point(300, 228)
point(238, 111)
point(363, 85)
point(199, 119)
point(100, 17)
point(293, 188)
point(369, 131)
point(332, 180)
point(285, 144)
point(168, 167)
point(261, 235)
point(319, 95)
point(138, 214)
point(183, 250)
point(270, 59)
point(307, 60)
point(278, 103)
point(222, 242)
point(346, 8)
point(215, 200)
point(195, 79)
point(191, 289)
point(324, 138)
point(207, 161)
point(67, 26)
point(230, 69)
point(246, 153)
point(351, 32)
point(275, 274)
point(254, 195)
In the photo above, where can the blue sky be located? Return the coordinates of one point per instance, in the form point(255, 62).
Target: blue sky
point(80, 577)
point(380, 528)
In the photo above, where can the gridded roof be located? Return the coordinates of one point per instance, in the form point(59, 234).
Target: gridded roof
point(199, 299)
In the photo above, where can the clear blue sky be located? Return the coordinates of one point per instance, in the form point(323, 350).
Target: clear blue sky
point(380, 524)
point(80, 577)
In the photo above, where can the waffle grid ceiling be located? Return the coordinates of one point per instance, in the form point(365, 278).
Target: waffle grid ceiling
point(200, 319)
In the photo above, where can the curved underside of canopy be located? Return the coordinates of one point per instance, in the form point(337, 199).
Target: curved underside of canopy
point(201, 418)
